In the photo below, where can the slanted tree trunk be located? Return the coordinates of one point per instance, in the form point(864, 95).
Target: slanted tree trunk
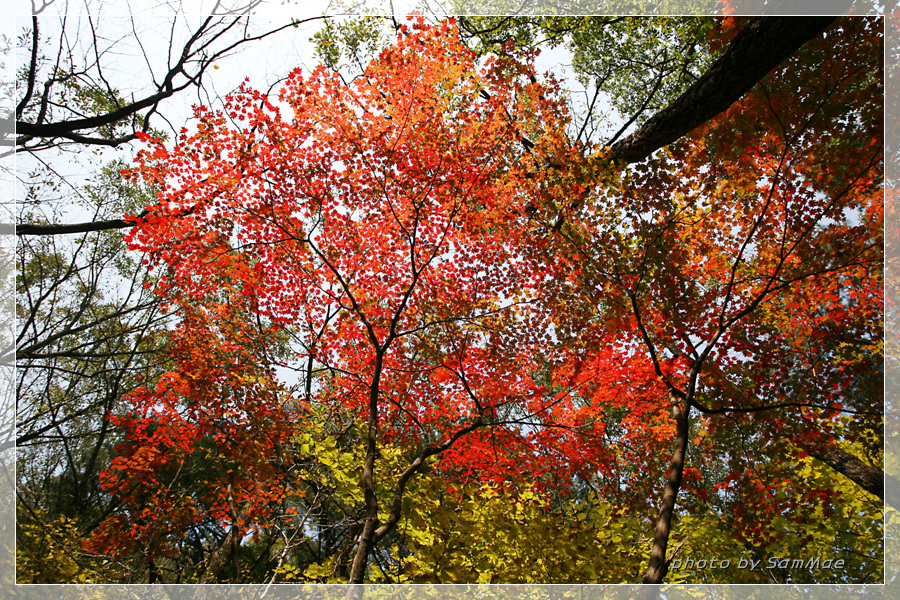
point(370, 518)
point(869, 478)
point(757, 49)
point(657, 567)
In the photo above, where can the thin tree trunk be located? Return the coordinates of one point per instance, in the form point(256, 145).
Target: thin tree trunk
point(360, 560)
point(657, 567)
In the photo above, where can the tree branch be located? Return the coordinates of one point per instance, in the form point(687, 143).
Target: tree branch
point(63, 228)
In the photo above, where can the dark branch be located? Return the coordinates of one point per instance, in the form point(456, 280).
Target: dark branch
point(32, 69)
point(870, 478)
point(757, 49)
point(62, 228)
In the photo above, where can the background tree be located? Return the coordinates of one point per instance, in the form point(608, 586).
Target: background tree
point(90, 330)
point(88, 327)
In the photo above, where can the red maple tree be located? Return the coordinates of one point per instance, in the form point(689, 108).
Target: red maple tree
point(372, 233)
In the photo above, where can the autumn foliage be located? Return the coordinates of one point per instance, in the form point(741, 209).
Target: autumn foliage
point(423, 257)
point(374, 236)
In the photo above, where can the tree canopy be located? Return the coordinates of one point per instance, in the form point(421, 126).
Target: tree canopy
point(417, 316)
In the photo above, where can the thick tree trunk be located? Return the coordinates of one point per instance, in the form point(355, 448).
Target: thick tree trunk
point(657, 567)
point(757, 49)
point(219, 558)
point(869, 478)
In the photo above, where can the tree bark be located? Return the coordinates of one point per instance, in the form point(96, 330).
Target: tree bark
point(757, 49)
point(657, 567)
point(219, 557)
point(366, 538)
point(871, 479)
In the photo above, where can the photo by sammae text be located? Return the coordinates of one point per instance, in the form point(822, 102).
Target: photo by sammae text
point(774, 562)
